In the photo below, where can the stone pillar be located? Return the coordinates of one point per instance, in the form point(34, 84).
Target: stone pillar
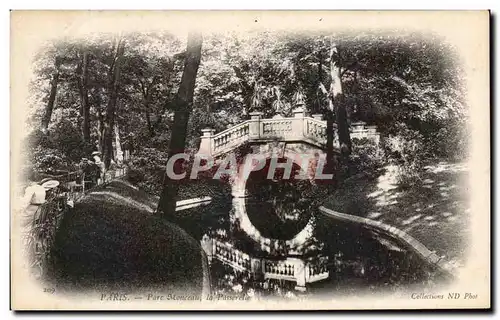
point(299, 112)
point(207, 245)
point(373, 134)
point(256, 267)
point(238, 190)
point(254, 127)
point(357, 126)
point(298, 121)
point(299, 273)
point(206, 141)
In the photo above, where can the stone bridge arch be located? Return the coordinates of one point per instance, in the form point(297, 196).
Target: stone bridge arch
point(293, 246)
point(297, 138)
point(297, 153)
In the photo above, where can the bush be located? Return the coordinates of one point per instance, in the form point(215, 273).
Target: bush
point(49, 161)
point(366, 156)
point(450, 142)
point(55, 152)
point(147, 168)
point(408, 151)
point(66, 137)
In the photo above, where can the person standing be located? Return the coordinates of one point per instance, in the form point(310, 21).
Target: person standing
point(100, 164)
point(88, 173)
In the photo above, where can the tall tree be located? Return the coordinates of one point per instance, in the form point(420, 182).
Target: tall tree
point(52, 96)
point(113, 84)
point(182, 106)
point(336, 95)
point(118, 145)
point(83, 83)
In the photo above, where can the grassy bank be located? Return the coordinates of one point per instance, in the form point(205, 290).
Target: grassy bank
point(433, 209)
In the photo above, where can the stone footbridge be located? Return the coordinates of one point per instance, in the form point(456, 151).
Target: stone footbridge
point(277, 137)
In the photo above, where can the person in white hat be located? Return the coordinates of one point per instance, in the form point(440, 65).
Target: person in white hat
point(34, 196)
point(97, 160)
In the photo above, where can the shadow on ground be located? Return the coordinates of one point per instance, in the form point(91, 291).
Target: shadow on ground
point(434, 210)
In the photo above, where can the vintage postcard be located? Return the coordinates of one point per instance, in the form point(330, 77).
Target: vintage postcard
point(250, 160)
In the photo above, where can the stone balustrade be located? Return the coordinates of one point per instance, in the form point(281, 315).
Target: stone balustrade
point(297, 128)
point(289, 269)
point(317, 270)
point(284, 270)
point(234, 257)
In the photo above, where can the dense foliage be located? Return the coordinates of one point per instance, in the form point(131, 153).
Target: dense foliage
point(107, 90)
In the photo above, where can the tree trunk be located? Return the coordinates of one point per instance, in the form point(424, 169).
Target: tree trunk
point(146, 95)
point(148, 121)
point(52, 97)
point(183, 106)
point(100, 132)
point(82, 79)
point(109, 124)
point(330, 131)
point(318, 107)
point(118, 145)
point(100, 121)
point(338, 102)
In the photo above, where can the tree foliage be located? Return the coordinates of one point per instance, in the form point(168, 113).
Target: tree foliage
point(408, 85)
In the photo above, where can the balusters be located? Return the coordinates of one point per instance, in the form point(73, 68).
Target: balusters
point(281, 128)
point(316, 130)
point(318, 268)
point(279, 268)
point(277, 127)
point(231, 137)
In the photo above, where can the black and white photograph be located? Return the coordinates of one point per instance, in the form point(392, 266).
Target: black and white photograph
point(250, 160)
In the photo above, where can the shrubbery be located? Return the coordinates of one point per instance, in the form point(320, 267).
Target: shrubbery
point(50, 161)
point(366, 156)
point(56, 152)
point(408, 152)
point(147, 168)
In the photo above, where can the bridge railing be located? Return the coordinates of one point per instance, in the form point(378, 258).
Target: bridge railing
point(233, 257)
point(279, 127)
point(282, 270)
point(359, 131)
point(289, 269)
point(231, 137)
point(297, 128)
point(317, 270)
